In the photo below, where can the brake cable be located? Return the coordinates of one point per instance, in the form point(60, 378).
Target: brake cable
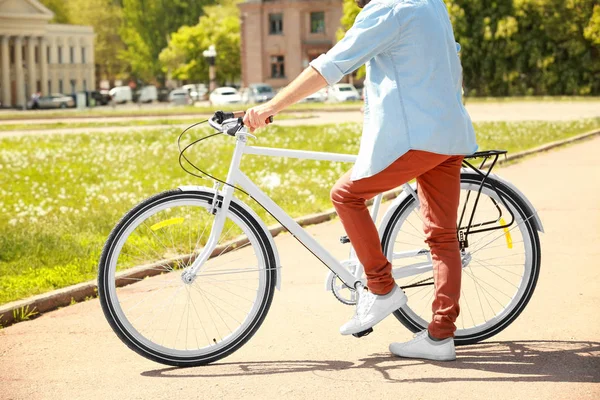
point(183, 156)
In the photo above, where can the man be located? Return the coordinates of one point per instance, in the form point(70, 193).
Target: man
point(414, 126)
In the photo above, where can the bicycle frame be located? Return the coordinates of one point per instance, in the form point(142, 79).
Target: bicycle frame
point(237, 177)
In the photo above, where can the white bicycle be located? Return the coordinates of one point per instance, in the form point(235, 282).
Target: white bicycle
point(188, 275)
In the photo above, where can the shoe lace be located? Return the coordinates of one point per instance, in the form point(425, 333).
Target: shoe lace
point(365, 302)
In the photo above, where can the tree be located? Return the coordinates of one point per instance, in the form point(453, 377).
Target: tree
point(220, 26)
point(147, 25)
point(350, 11)
point(104, 16)
point(60, 8)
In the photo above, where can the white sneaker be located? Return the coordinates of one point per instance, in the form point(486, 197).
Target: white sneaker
point(372, 309)
point(422, 346)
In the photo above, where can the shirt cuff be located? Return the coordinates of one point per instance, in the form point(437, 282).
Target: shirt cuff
point(327, 68)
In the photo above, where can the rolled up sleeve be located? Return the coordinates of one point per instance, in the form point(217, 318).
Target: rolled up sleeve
point(374, 30)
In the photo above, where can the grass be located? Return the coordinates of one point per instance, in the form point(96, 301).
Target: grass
point(111, 124)
point(61, 196)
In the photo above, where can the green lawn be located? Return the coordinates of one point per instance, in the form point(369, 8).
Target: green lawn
point(61, 195)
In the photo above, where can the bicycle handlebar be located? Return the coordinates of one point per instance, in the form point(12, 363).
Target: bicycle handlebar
point(221, 118)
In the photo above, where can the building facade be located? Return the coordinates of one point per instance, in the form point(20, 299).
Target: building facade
point(280, 37)
point(37, 56)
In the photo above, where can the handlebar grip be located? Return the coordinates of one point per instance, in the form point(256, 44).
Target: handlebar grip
point(240, 114)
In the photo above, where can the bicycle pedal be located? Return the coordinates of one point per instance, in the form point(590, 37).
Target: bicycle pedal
point(363, 333)
point(344, 239)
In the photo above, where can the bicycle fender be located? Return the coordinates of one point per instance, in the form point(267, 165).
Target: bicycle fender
point(246, 208)
point(536, 216)
point(403, 195)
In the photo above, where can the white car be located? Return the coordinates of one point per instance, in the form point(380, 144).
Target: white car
point(179, 97)
point(121, 94)
point(317, 97)
point(225, 95)
point(343, 92)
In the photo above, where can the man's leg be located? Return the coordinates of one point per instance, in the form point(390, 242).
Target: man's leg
point(439, 194)
point(349, 197)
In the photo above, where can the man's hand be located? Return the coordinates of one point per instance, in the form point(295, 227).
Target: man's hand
point(256, 117)
point(308, 82)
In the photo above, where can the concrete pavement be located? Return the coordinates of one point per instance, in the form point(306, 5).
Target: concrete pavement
point(552, 351)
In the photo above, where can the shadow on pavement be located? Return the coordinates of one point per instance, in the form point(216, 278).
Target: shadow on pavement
point(523, 361)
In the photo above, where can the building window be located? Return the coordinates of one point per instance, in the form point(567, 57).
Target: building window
point(317, 22)
point(60, 86)
point(72, 54)
point(277, 67)
point(85, 85)
point(49, 87)
point(36, 52)
point(12, 54)
point(275, 24)
point(48, 55)
point(60, 56)
point(83, 55)
point(73, 84)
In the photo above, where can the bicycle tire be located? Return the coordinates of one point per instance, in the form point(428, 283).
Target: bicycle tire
point(107, 296)
point(404, 314)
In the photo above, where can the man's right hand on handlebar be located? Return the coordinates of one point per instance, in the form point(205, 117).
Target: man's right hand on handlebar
point(258, 117)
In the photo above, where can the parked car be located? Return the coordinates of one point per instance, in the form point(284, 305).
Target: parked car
point(317, 97)
point(225, 95)
point(202, 91)
point(343, 92)
point(197, 92)
point(179, 97)
point(55, 100)
point(163, 94)
point(258, 93)
point(121, 94)
point(101, 97)
point(147, 94)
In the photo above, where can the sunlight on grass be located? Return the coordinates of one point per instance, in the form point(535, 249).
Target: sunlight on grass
point(62, 195)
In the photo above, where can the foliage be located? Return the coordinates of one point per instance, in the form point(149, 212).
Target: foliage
point(72, 192)
point(104, 16)
point(147, 25)
point(528, 47)
point(60, 8)
point(24, 313)
point(220, 26)
point(350, 11)
point(524, 47)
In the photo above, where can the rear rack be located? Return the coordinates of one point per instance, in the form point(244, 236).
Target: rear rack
point(463, 231)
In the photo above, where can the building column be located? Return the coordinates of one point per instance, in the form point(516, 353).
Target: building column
point(20, 79)
point(4, 49)
point(44, 65)
point(31, 67)
point(91, 61)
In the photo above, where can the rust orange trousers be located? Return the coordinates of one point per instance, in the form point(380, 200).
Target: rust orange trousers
point(438, 186)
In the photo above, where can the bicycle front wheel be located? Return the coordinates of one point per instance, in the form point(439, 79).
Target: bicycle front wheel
point(500, 266)
point(166, 319)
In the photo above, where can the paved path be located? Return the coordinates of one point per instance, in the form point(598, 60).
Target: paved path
point(551, 352)
point(498, 111)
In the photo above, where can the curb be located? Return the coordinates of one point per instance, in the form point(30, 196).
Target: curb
point(83, 291)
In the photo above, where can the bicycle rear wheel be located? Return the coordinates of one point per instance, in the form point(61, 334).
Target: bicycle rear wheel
point(148, 304)
point(500, 267)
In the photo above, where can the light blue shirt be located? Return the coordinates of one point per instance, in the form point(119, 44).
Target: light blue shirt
point(413, 87)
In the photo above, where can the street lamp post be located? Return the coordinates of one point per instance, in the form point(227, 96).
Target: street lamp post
point(211, 55)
